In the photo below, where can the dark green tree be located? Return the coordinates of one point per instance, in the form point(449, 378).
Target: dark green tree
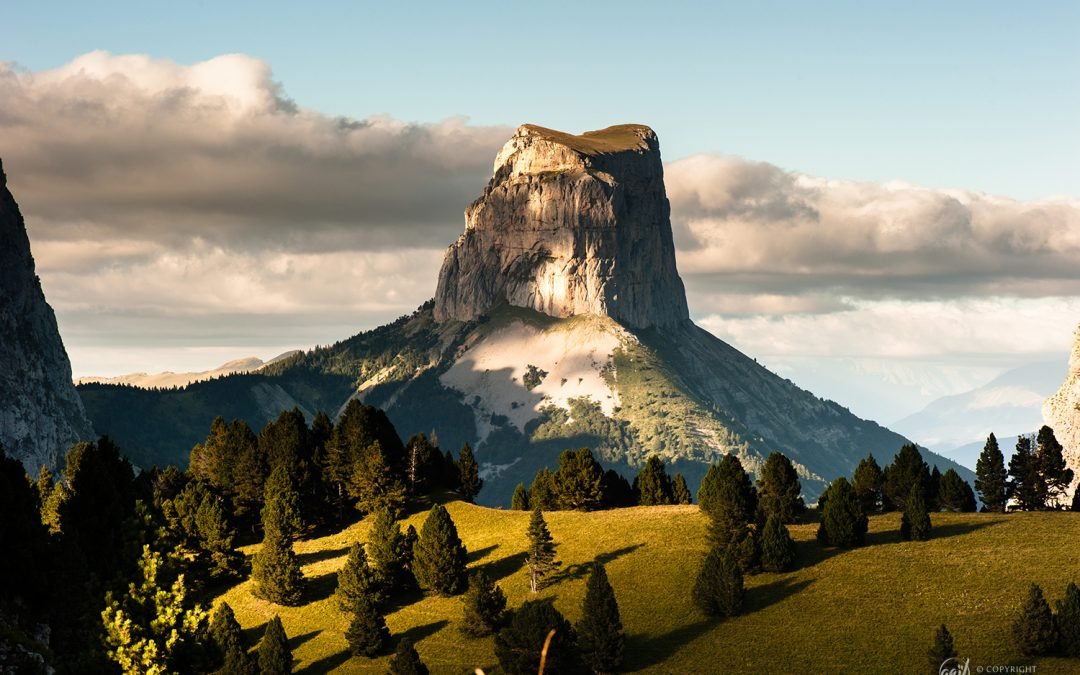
point(991, 477)
point(543, 494)
point(389, 553)
point(915, 523)
point(374, 484)
point(954, 493)
point(906, 470)
point(1023, 483)
point(1034, 630)
point(367, 634)
point(519, 644)
point(469, 474)
point(1068, 621)
point(600, 636)
point(406, 660)
point(439, 557)
point(579, 481)
point(286, 442)
point(358, 428)
point(423, 465)
point(281, 486)
point(24, 579)
point(779, 490)
point(216, 535)
point(1051, 468)
point(520, 500)
point(728, 498)
point(941, 650)
point(718, 590)
point(867, 482)
point(356, 581)
point(618, 492)
point(843, 521)
point(933, 488)
point(485, 607)
point(227, 643)
point(275, 657)
point(777, 546)
point(540, 554)
point(653, 484)
point(275, 569)
point(680, 491)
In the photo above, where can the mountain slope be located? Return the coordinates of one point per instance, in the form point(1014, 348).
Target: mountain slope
point(168, 379)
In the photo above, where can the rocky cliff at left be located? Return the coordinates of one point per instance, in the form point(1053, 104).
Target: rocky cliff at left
point(41, 414)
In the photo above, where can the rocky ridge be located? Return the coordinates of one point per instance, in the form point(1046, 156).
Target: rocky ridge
point(1061, 411)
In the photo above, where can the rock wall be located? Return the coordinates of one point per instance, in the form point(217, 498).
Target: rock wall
point(40, 411)
point(1061, 412)
point(569, 225)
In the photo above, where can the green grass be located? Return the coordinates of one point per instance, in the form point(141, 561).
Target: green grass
point(871, 609)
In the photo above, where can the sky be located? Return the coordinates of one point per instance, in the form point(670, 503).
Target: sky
point(879, 200)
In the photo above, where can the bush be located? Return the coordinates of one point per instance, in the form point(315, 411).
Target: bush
point(519, 644)
point(1068, 621)
point(718, 590)
point(777, 546)
point(1035, 631)
point(940, 650)
point(275, 658)
point(843, 522)
point(915, 523)
point(367, 634)
point(485, 607)
point(406, 661)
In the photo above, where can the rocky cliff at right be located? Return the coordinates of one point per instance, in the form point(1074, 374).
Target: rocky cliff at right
point(1061, 412)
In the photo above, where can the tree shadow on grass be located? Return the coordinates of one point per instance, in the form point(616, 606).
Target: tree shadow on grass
point(580, 570)
point(320, 587)
point(319, 556)
point(481, 553)
point(645, 651)
point(298, 640)
point(252, 634)
point(811, 553)
point(503, 567)
point(418, 633)
point(760, 597)
point(326, 664)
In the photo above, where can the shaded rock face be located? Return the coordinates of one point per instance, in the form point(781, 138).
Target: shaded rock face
point(1061, 412)
point(41, 414)
point(569, 225)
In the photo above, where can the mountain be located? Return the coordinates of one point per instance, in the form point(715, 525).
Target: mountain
point(559, 321)
point(1008, 405)
point(167, 379)
point(41, 415)
point(1062, 410)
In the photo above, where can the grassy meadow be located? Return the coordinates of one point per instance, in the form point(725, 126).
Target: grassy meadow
point(871, 609)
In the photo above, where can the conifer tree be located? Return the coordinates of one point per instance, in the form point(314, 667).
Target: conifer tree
point(1024, 476)
point(907, 469)
point(518, 645)
point(216, 534)
point(779, 490)
point(915, 523)
point(728, 498)
point(406, 660)
point(718, 590)
point(540, 559)
point(423, 464)
point(374, 484)
point(44, 487)
point(227, 643)
point(991, 477)
point(1054, 474)
point(542, 493)
point(680, 491)
point(579, 481)
point(932, 490)
point(485, 607)
point(867, 482)
point(954, 493)
point(1075, 505)
point(275, 570)
point(469, 474)
point(520, 500)
point(367, 634)
point(599, 631)
point(843, 522)
point(940, 650)
point(275, 657)
point(388, 552)
point(1034, 630)
point(1068, 621)
point(653, 485)
point(280, 486)
point(777, 546)
point(439, 557)
point(358, 428)
point(356, 581)
point(617, 491)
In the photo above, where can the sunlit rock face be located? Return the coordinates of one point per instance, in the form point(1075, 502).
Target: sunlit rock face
point(569, 225)
point(1061, 412)
point(41, 414)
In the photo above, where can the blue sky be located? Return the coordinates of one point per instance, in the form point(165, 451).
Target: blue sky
point(979, 95)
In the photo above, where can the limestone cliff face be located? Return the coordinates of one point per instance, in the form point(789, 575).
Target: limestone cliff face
point(1061, 412)
point(40, 411)
point(569, 225)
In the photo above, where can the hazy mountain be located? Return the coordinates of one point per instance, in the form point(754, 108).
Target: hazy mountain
point(168, 379)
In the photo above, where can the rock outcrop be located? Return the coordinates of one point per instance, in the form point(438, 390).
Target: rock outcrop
point(569, 225)
point(41, 414)
point(1061, 412)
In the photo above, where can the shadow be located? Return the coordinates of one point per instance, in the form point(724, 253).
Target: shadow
point(503, 567)
point(418, 633)
point(253, 634)
point(481, 553)
point(403, 598)
point(319, 556)
point(320, 587)
point(645, 651)
point(326, 664)
point(760, 597)
point(298, 640)
point(811, 553)
point(580, 570)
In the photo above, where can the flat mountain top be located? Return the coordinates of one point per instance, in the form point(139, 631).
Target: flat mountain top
point(617, 138)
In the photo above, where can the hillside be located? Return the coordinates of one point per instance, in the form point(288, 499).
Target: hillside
point(871, 609)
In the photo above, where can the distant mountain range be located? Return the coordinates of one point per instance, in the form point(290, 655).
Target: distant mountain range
point(169, 379)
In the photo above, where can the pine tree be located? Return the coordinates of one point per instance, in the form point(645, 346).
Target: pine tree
point(485, 607)
point(617, 491)
point(227, 643)
point(520, 500)
point(387, 551)
point(728, 498)
point(358, 428)
point(542, 493)
point(843, 522)
point(423, 464)
point(1034, 630)
point(519, 644)
point(915, 523)
point(1023, 484)
point(600, 631)
point(991, 477)
point(357, 581)
point(540, 555)
point(406, 660)
point(579, 481)
point(653, 485)
point(275, 657)
point(1075, 505)
point(932, 490)
point(906, 470)
point(274, 568)
point(777, 546)
point(281, 487)
point(1068, 621)
point(1054, 474)
point(469, 474)
point(374, 484)
point(940, 650)
point(680, 491)
point(779, 490)
point(867, 481)
point(954, 493)
point(718, 590)
point(439, 556)
point(216, 534)
point(367, 634)
point(44, 487)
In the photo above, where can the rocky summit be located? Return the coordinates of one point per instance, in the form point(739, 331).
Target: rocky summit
point(1061, 412)
point(569, 225)
point(41, 414)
